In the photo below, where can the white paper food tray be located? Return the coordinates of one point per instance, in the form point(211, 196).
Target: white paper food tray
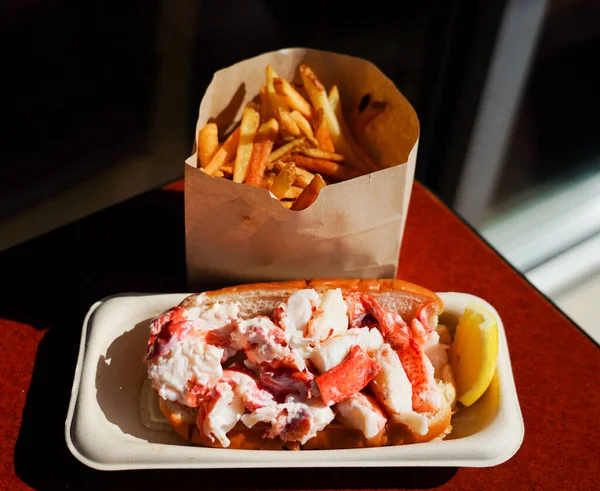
point(114, 423)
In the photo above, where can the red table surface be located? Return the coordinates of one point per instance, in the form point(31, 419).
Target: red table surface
point(556, 369)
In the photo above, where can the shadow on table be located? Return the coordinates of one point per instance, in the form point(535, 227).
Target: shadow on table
point(123, 391)
point(43, 461)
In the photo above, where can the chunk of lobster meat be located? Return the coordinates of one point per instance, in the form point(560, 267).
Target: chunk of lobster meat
point(171, 327)
point(347, 378)
point(420, 333)
point(423, 325)
point(283, 383)
point(221, 338)
point(167, 330)
point(187, 371)
point(238, 390)
point(391, 385)
point(356, 309)
point(428, 316)
point(393, 390)
point(266, 414)
point(253, 393)
point(438, 356)
point(426, 395)
point(214, 315)
point(293, 317)
point(294, 314)
point(299, 420)
point(424, 333)
point(219, 412)
point(264, 344)
point(329, 318)
point(308, 318)
point(395, 331)
point(333, 351)
point(361, 412)
point(429, 342)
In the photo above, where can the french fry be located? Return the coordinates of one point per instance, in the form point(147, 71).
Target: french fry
point(267, 180)
point(280, 111)
point(303, 177)
point(286, 136)
point(318, 97)
point(309, 194)
point(305, 127)
point(248, 127)
point(334, 100)
point(288, 147)
point(298, 87)
point(293, 192)
point(373, 110)
point(261, 150)
point(331, 169)
point(321, 154)
point(322, 132)
point(225, 154)
point(227, 169)
point(334, 97)
point(284, 180)
point(208, 143)
point(266, 112)
point(291, 98)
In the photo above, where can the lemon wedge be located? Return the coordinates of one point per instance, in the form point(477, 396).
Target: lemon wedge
point(473, 353)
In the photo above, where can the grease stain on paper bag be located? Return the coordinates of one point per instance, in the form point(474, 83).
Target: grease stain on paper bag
point(237, 233)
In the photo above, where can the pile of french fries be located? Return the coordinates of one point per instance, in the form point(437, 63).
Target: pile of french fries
point(293, 140)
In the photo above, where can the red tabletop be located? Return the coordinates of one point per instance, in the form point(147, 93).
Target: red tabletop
point(139, 246)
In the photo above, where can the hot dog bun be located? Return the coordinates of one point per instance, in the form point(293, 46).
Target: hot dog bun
point(261, 299)
point(334, 436)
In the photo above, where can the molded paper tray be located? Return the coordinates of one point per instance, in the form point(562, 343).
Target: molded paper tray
point(114, 423)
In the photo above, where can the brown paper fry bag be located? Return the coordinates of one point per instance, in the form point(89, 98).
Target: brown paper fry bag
point(237, 233)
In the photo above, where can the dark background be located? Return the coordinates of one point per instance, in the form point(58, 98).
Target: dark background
point(83, 77)
point(85, 82)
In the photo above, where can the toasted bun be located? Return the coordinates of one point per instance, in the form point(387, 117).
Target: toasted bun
point(261, 299)
point(334, 436)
